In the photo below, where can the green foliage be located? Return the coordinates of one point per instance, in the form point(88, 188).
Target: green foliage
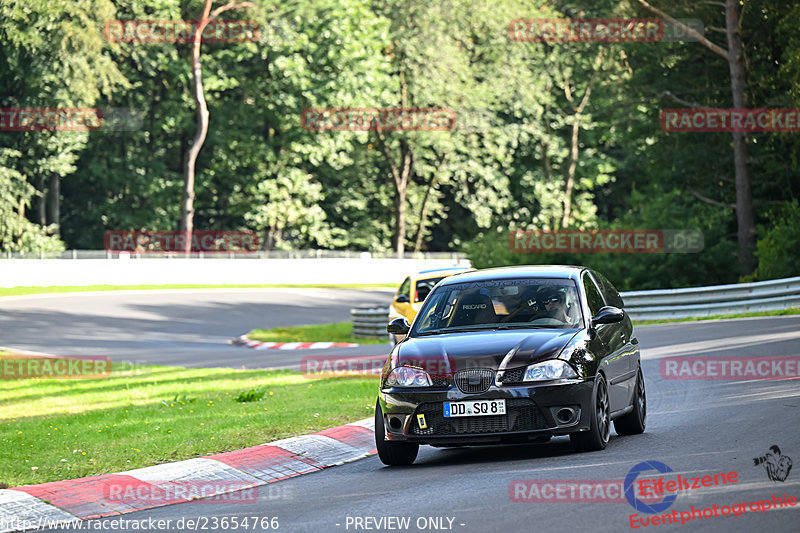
point(652, 208)
point(252, 395)
point(779, 248)
point(335, 332)
point(17, 233)
point(505, 165)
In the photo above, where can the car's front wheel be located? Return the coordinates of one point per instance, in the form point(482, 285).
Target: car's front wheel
point(634, 422)
point(600, 427)
point(392, 453)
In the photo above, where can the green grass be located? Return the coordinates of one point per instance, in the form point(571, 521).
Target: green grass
point(54, 429)
point(781, 312)
point(20, 291)
point(337, 332)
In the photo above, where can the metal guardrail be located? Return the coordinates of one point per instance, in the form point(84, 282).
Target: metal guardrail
point(370, 322)
point(658, 304)
point(715, 300)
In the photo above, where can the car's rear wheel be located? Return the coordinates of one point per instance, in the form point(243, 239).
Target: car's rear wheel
point(600, 427)
point(392, 453)
point(634, 422)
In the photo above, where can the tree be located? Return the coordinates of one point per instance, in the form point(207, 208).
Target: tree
point(187, 207)
point(734, 55)
point(51, 55)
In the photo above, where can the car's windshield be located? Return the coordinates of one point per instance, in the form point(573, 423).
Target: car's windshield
point(500, 304)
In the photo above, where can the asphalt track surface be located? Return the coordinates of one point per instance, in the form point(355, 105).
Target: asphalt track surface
point(696, 427)
point(176, 328)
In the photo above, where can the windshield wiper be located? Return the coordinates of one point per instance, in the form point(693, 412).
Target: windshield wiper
point(522, 326)
point(441, 331)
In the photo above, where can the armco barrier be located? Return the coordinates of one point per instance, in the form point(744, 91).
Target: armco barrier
point(715, 300)
point(658, 304)
point(370, 321)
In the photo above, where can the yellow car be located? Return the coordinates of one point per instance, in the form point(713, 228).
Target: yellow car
point(412, 293)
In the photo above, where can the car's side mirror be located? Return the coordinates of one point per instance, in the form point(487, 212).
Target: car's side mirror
point(608, 315)
point(402, 299)
point(398, 326)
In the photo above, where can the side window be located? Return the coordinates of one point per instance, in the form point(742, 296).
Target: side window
point(405, 288)
point(609, 291)
point(595, 301)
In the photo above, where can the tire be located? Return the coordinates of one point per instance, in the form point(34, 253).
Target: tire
point(634, 422)
point(392, 453)
point(600, 428)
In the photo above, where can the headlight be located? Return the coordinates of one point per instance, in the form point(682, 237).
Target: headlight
point(406, 376)
point(546, 370)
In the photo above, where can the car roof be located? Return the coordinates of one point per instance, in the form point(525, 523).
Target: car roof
point(432, 270)
point(528, 271)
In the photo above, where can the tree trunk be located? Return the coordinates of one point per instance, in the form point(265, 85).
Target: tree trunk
point(55, 203)
point(400, 221)
point(423, 215)
point(734, 55)
point(187, 206)
point(42, 203)
point(744, 199)
point(570, 177)
point(400, 177)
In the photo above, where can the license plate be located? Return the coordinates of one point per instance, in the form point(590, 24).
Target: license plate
point(474, 408)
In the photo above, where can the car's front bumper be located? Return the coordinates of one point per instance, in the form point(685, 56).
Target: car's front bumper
point(531, 413)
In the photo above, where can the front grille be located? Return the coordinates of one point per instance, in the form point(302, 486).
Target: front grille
point(440, 381)
point(474, 379)
point(514, 375)
point(522, 414)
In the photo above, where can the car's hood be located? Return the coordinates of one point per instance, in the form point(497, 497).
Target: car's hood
point(497, 350)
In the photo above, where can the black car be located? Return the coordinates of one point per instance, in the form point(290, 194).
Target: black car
point(512, 355)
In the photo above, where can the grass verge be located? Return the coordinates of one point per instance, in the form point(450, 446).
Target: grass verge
point(337, 332)
point(781, 312)
point(54, 429)
point(21, 291)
